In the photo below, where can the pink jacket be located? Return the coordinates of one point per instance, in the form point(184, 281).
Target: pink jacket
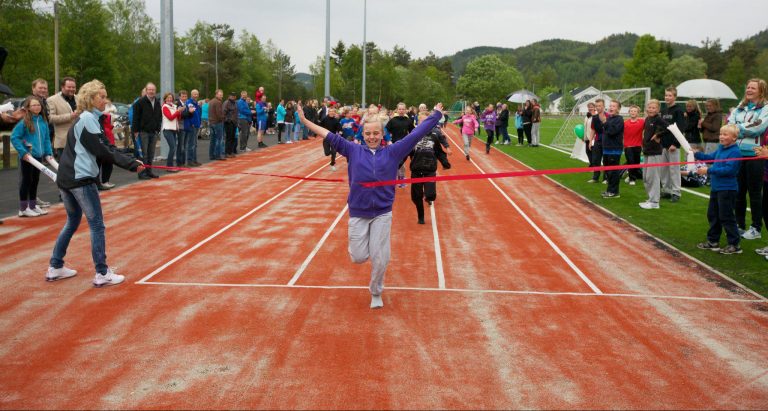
point(469, 124)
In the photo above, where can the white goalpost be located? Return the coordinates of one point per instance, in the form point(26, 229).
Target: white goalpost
point(566, 139)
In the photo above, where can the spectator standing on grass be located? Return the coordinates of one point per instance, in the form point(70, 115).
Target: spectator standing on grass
point(31, 139)
point(597, 142)
point(192, 128)
point(653, 129)
point(171, 116)
point(62, 113)
point(633, 144)
point(147, 120)
point(216, 124)
point(519, 125)
point(692, 117)
point(751, 118)
point(504, 124)
point(527, 115)
point(77, 181)
point(370, 209)
point(612, 127)
point(722, 195)
point(710, 125)
point(535, 124)
point(670, 175)
point(589, 136)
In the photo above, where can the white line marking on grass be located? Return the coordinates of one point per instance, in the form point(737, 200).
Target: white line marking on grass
point(543, 235)
point(227, 227)
point(438, 253)
point(462, 290)
point(319, 245)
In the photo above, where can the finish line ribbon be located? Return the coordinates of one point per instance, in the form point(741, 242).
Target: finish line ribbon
point(332, 180)
point(526, 173)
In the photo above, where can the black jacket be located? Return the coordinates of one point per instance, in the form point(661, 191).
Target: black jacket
point(146, 118)
point(504, 118)
point(612, 132)
point(691, 130)
point(428, 152)
point(653, 125)
point(399, 127)
point(672, 115)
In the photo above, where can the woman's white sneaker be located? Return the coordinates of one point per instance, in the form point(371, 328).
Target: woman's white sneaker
point(110, 278)
point(39, 210)
point(29, 213)
point(56, 274)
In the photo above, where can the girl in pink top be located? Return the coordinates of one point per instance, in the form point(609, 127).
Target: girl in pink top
point(469, 126)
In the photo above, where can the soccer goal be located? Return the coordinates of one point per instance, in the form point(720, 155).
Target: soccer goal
point(565, 139)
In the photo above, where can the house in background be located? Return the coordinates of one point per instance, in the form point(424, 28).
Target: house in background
point(580, 95)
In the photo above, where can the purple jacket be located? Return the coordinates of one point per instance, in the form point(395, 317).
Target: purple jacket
point(379, 165)
point(489, 119)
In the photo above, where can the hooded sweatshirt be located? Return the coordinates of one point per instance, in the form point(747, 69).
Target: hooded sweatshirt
point(722, 174)
point(35, 143)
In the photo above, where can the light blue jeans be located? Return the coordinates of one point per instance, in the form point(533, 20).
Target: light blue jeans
point(79, 201)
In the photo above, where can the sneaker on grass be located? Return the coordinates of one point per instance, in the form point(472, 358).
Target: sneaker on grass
point(110, 278)
point(762, 251)
point(647, 205)
point(56, 274)
point(731, 249)
point(751, 234)
point(610, 195)
point(708, 246)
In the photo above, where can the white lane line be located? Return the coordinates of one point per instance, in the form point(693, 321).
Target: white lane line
point(543, 235)
point(438, 253)
point(462, 290)
point(227, 227)
point(320, 243)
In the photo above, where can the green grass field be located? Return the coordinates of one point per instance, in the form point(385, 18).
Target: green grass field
point(682, 224)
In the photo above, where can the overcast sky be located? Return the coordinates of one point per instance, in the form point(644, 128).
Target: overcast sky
point(447, 26)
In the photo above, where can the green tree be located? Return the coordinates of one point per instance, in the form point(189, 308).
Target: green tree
point(487, 79)
point(26, 33)
point(711, 52)
point(401, 56)
point(685, 68)
point(137, 44)
point(567, 103)
point(338, 52)
point(647, 66)
point(734, 75)
point(761, 65)
point(88, 50)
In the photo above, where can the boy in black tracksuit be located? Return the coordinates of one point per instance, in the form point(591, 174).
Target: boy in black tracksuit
point(670, 175)
point(399, 126)
point(424, 159)
point(332, 124)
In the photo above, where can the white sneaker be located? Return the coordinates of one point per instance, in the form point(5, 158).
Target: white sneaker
point(751, 234)
point(632, 183)
point(333, 168)
point(56, 274)
point(605, 181)
point(289, 142)
point(591, 180)
point(647, 205)
point(496, 142)
point(248, 149)
point(29, 213)
point(626, 180)
point(376, 301)
point(110, 278)
point(39, 210)
point(762, 251)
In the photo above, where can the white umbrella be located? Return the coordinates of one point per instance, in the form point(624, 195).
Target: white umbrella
point(520, 96)
point(705, 88)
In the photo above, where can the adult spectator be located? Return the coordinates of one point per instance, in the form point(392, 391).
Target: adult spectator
point(535, 123)
point(181, 133)
point(692, 117)
point(62, 113)
point(670, 175)
point(710, 125)
point(147, 120)
point(503, 119)
point(230, 124)
point(244, 115)
point(171, 116)
point(527, 114)
point(191, 129)
point(611, 126)
point(216, 124)
point(280, 114)
point(597, 142)
point(751, 117)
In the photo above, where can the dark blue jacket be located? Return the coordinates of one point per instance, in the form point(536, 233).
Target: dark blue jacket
point(612, 132)
point(723, 174)
point(378, 165)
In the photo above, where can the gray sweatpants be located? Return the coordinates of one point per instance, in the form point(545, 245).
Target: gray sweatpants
point(535, 137)
point(467, 143)
point(670, 175)
point(652, 178)
point(369, 238)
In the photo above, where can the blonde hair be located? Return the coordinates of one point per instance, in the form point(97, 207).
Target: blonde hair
point(654, 102)
point(87, 93)
point(694, 104)
point(762, 90)
point(731, 129)
point(376, 119)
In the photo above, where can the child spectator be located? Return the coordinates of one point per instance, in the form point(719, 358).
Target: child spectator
point(722, 196)
point(31, 138)
point(653, 128)
point(633, 143)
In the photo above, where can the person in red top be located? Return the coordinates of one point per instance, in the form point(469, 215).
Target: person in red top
point(633, 143)
point(258, 94)
point(171, 116)
point(106, 124)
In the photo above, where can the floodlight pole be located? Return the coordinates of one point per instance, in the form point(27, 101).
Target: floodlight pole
point(166, 47)
point(327, 48)
point(365, 23)
point(56, 46)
